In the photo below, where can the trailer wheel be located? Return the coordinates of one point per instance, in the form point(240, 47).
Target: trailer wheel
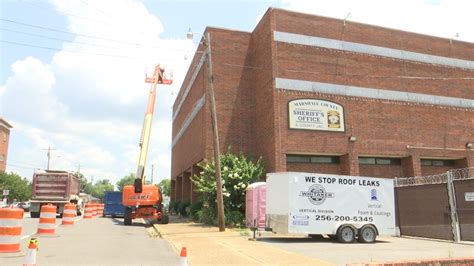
point(346, 234)
point(127, 217)
point(367, 234)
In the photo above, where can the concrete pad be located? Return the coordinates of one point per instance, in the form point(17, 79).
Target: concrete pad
point(207, 246)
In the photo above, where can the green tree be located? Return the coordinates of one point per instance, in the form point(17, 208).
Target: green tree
point(19, 188)
point(237, 173)
point(100, 187)
point(86, 186)
point(165, 186)
point(126, 180)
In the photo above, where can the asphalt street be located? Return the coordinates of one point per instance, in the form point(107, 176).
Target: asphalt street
point(99, 241)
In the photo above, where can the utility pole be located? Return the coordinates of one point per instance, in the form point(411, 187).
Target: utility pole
point(49, 155)
point(220, 198)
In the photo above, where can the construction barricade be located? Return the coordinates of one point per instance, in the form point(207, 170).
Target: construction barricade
point(94, 209)
point(30, 259)
point(47, 221)
point(100, 209)
point(10, 229)
point(69, 214)
point(88, 211)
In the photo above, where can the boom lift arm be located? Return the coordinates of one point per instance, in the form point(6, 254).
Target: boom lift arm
point(157, 78)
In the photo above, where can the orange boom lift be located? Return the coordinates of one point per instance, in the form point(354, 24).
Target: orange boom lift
point(141, 200)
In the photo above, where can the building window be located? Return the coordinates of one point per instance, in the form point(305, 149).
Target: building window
point(312, 159)
point(380, 161)
point(2, 157)
point(437, 162)
point(4, 137)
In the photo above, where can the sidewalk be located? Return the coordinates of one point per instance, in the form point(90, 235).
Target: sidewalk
point(207, 246)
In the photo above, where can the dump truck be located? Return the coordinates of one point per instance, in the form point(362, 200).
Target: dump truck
point(57, 188)
point(345, 208)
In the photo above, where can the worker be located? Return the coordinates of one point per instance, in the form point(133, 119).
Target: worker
point(160, 71)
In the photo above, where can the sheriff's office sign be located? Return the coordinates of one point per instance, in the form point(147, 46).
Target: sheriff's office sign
point(313, 114)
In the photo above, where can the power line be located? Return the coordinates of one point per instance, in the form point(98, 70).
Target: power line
point(58, 39)
point(76, 52)
point(22, 167)
point(23, 163)
point(87, 4)
point(68, 32)
point(69, 14)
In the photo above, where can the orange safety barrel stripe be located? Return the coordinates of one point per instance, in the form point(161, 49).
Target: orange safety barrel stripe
point(47, 220)
point(7, 213)
point(12, 231)
point(9, 248)
point(45, 231)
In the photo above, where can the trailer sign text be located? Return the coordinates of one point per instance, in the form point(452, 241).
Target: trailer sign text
point(328, 201)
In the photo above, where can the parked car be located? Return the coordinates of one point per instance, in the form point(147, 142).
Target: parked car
point(24, 205)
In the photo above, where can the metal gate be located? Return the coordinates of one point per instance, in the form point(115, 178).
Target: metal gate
point(438, 206)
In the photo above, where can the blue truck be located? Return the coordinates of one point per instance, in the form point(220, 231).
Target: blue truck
point(113, 204)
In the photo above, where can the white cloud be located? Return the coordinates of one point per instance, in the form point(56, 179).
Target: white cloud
point(88, 102)
point(441, 18)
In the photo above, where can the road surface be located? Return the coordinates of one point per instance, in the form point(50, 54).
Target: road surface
point(98, 241)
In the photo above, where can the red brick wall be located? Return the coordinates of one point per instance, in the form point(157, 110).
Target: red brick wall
point(388, 171)
point(261, 51)
point(4, 147)
point(253, 115)
point(381, 127)
point(334, 169)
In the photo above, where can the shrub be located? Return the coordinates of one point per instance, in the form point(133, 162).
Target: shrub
point(194, 208)
point(183, 205)
point(234, 219)
point(206, 216)
point(237, 172)
point(174, 207)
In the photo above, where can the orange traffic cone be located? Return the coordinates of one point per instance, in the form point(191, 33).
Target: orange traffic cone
point(30, 259)
point(183, 259)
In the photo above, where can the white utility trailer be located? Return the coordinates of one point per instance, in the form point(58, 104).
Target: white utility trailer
point(343, 207)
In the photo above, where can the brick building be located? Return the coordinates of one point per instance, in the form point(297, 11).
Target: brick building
point(317, 94)
point(5, 139)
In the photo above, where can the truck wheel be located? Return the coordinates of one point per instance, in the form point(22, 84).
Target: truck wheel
point(367, 234)
point(127, 217)
point(346, 234)
point(34, 214)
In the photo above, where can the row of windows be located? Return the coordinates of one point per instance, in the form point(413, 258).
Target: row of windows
point(290, 158)
point(380, 161)
point(311, 159)
point(429, 162)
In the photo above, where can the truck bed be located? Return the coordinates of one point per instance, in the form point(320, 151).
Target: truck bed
point(55, 185)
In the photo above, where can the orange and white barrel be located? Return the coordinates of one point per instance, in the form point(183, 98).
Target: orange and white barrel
point(94, 210)
point(10, 229)
point(100, 210)
point(69, 214)
point(88, 211)
point(47, 221)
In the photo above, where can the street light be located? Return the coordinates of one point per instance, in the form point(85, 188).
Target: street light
point(210, 91)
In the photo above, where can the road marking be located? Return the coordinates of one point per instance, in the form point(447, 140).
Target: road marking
point(27, 236)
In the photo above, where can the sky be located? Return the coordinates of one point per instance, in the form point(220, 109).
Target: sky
point(71, 75)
